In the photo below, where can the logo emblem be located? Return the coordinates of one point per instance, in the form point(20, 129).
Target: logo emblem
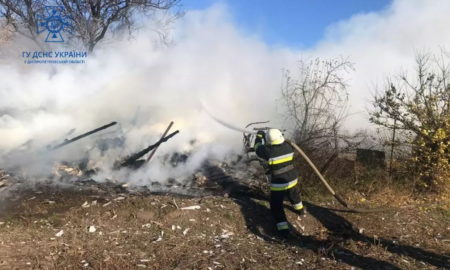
point(54, 22)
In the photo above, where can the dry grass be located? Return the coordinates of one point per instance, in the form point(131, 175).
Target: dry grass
point(153, 232)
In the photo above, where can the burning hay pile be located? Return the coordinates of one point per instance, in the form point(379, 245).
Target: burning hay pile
point(212, 177)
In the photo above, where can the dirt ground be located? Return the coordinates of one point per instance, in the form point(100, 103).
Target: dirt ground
point(49, 227)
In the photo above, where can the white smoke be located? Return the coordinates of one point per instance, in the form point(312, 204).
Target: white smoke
point(144, 86)
point(383, 44)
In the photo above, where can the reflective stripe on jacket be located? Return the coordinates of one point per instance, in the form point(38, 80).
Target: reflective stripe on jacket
point(280, 159)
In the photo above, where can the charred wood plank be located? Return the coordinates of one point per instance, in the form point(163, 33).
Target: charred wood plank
point(79, 137)
point(134, 160)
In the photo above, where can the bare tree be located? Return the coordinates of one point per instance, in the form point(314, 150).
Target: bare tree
point(20, 15)
point(91, 20)
point(316, 100)
point(5, 32)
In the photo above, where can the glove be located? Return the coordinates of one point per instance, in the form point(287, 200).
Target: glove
point(260, 137)
point(261, 134)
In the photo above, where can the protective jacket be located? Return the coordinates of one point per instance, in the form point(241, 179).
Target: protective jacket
point(279, 158)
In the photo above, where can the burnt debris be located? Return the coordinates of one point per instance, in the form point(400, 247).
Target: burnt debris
point(79, 137)
point(134, 161)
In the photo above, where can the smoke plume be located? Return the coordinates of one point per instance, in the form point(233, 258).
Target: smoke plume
point(144, 86)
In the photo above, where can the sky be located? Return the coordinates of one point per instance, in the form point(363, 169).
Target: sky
point(380, 37)
point(292, 23)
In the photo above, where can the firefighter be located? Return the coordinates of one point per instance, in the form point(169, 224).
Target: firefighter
point(279, 155)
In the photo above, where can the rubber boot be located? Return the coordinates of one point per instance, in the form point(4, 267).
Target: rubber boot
point(283, 234)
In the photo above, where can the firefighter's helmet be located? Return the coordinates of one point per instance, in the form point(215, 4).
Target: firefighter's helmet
point(274, 136)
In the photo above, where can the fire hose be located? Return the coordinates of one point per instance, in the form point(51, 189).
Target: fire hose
point(247, 139)
point(329, 188)
point(327, 185)
point(317, 172)
point(302, 153)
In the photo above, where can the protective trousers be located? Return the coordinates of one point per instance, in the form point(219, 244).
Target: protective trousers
point(276, 205)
